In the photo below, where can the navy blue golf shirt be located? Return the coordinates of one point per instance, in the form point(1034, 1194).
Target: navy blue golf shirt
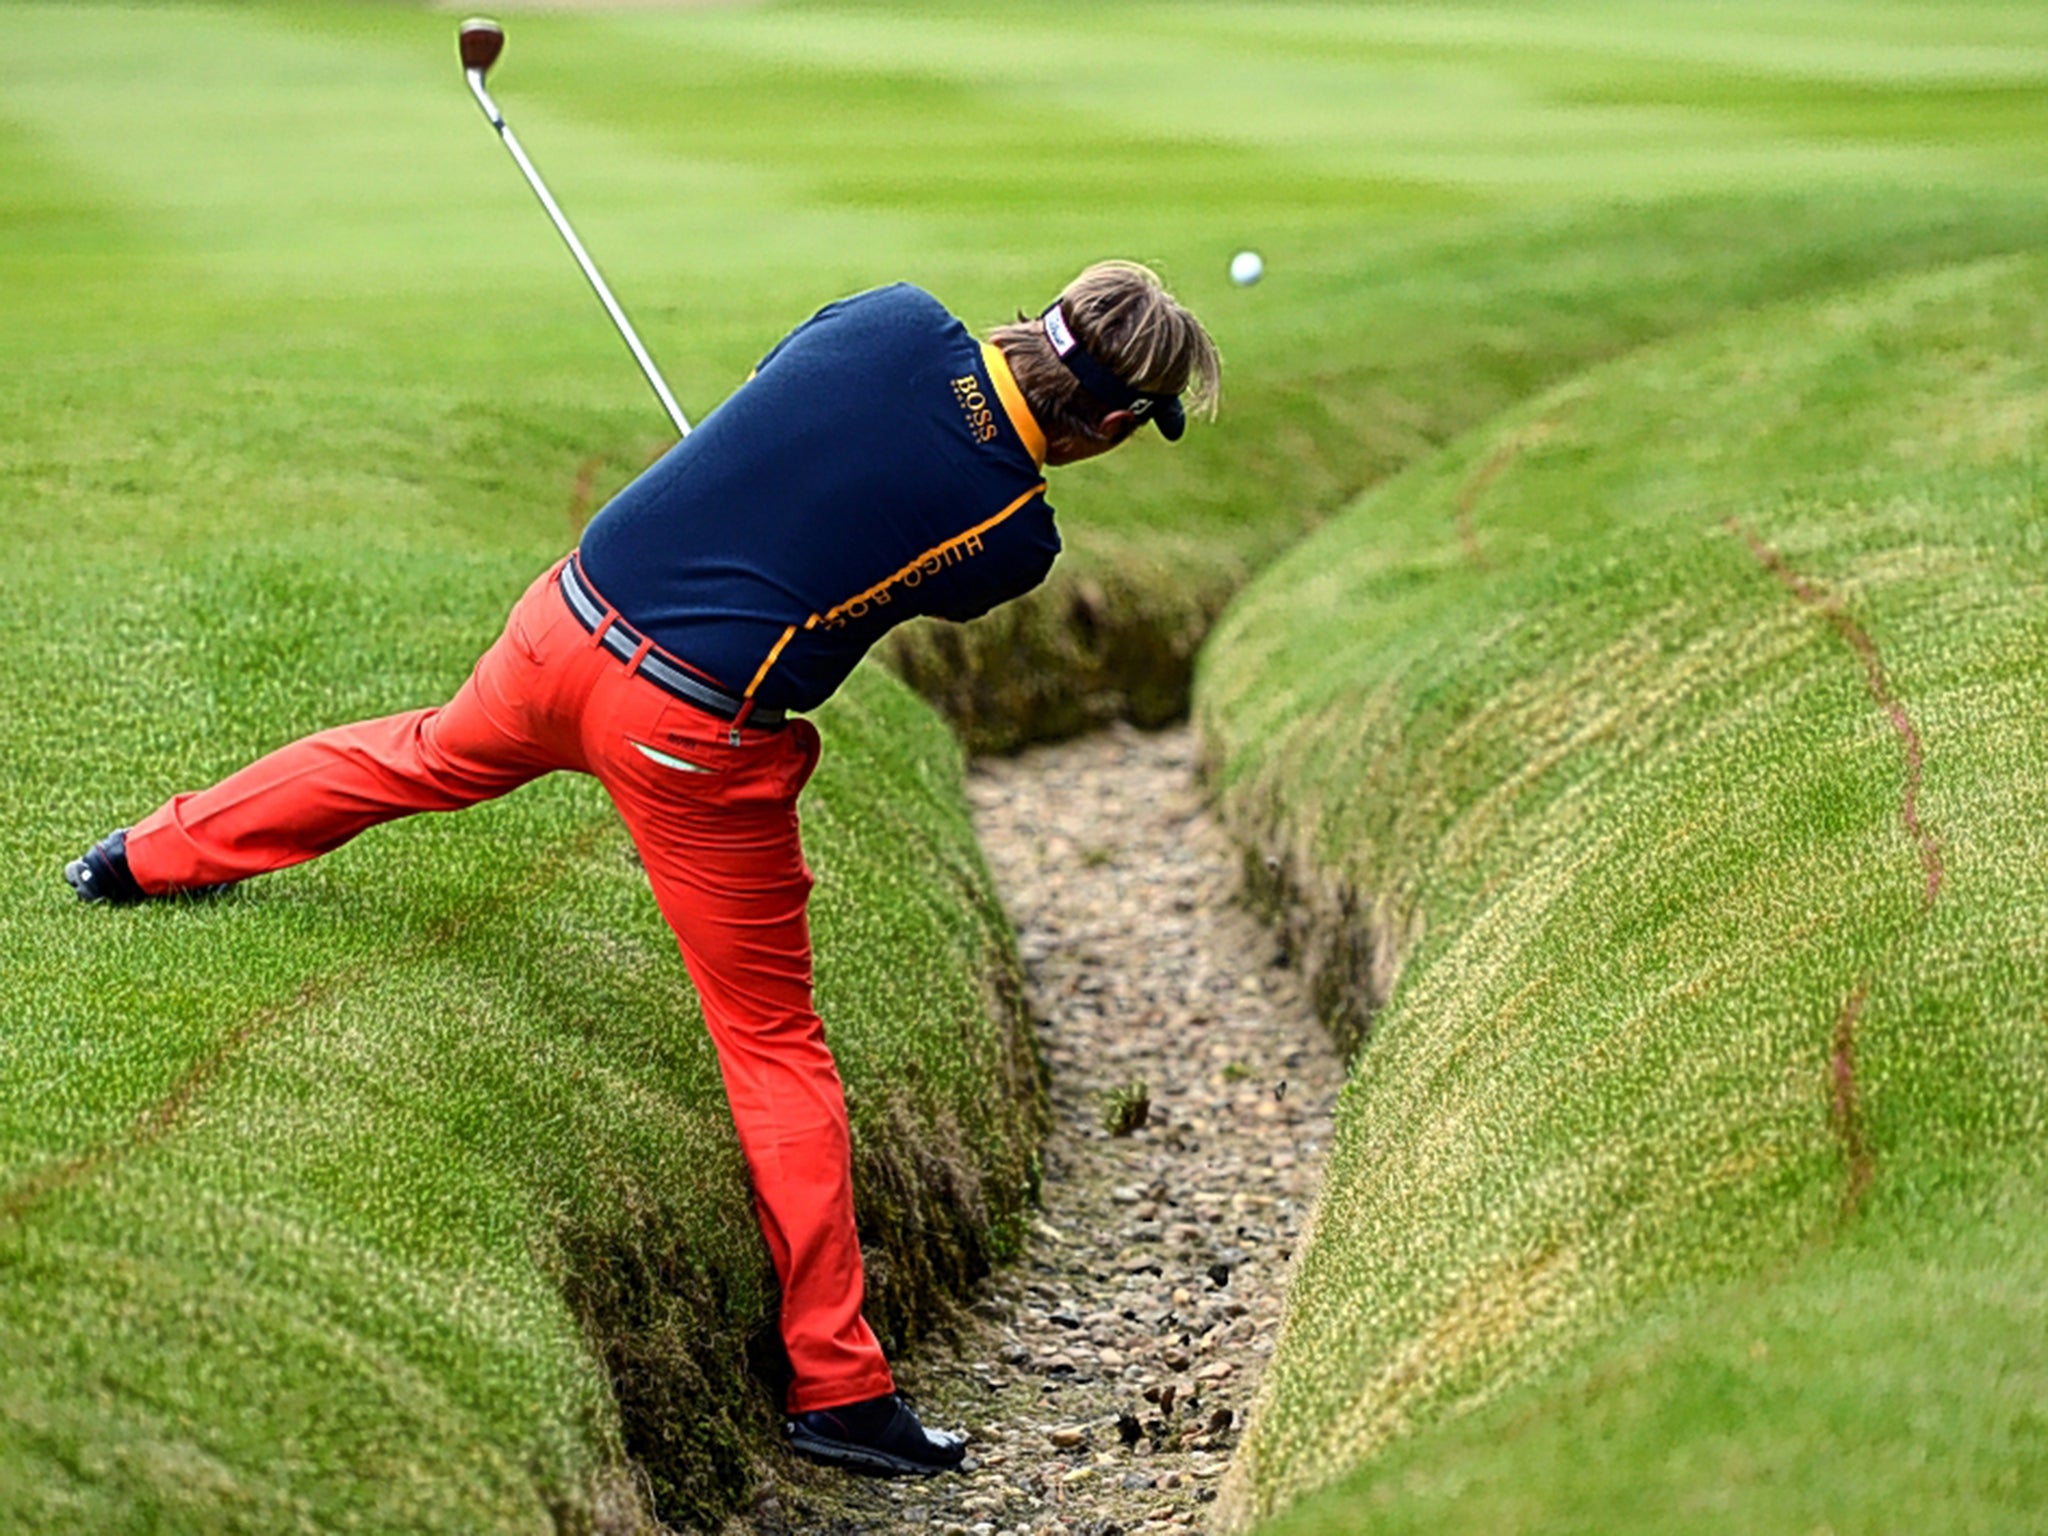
point(881, 464)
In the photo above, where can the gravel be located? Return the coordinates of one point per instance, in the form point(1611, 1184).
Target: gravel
point(1104, 1378)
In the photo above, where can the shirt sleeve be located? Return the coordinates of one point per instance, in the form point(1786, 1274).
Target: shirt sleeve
point(773, 352)
point(867, 301)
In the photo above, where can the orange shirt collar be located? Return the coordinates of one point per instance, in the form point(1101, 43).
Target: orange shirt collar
point(1013, 400)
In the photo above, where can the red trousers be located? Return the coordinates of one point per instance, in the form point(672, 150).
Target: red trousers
point(716, 826)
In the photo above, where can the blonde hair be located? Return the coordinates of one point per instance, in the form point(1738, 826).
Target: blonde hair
point(1123, 315)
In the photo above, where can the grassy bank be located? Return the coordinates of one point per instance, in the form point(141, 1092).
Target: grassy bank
point(1673, 737)
point(400, 1189)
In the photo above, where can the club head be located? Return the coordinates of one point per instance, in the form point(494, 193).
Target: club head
point(480, 41)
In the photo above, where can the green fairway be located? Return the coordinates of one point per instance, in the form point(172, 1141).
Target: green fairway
point(1676, 738)
point(398, 1190)
point(1456, 207)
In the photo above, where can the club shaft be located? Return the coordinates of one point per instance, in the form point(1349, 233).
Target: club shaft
point(597, 283)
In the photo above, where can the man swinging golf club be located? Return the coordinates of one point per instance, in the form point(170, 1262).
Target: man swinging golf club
point(882, 463)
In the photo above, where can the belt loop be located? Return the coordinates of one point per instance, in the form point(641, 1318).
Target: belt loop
point(597, 632)
point(639, 655)
point(740, 719)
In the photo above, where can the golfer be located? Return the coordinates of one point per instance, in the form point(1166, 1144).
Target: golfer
point(880, 464)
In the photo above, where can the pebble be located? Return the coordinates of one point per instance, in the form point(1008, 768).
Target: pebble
point(1104, 1376)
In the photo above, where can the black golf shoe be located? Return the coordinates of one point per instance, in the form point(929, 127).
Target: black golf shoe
point(881, 1435)
point(101, 872)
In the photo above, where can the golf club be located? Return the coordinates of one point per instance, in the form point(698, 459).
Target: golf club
point(480, 42)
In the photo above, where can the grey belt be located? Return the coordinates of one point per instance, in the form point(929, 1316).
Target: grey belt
point(624, 642)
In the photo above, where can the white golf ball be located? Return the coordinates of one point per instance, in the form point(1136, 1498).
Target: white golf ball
point(1246, 268)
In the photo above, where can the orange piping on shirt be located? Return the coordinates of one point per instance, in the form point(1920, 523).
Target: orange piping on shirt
point(772, 658)
point(936, 552)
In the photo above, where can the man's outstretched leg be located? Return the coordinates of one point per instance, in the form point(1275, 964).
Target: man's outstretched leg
point(315, 794)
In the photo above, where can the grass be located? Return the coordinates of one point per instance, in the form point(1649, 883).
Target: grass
point(1897, 1373)
point(418, 1146)
point(1674, 729)
point(1451, 218)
